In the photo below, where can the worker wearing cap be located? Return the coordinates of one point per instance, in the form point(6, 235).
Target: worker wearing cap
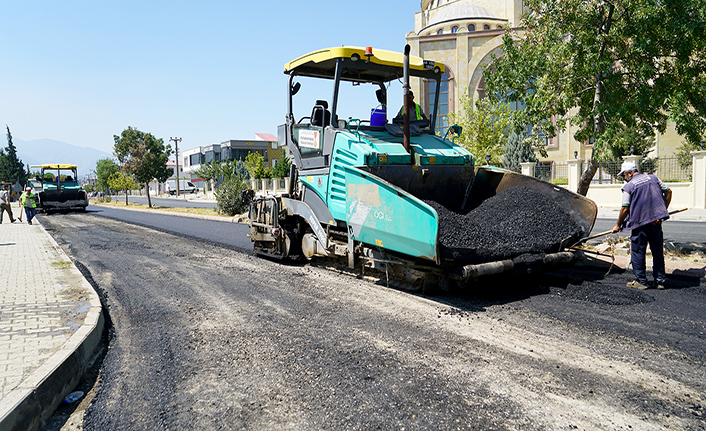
point(415, 111)
point(29, 202)
point(644, 207)
point(5, 203)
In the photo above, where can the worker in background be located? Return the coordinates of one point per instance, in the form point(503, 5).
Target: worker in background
point(415, 111)
point(644, 207)
point(29, 202)
point(5, 203)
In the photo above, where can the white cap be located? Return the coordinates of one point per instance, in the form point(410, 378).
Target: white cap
point(627, 167)
point(28, 188)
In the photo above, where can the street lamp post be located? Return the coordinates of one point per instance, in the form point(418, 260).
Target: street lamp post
point(176, 150)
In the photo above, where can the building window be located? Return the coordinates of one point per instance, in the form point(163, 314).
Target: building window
point(500, 26)
point(186, 161)
point(454, 29)
point(195, 159)
point(440, 31)
point(486, 27)
point(442, 117)
point(471, 27)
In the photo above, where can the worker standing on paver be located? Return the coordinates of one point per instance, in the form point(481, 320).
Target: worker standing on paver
point(5, 203)
point(29, 202)
point(644, 207)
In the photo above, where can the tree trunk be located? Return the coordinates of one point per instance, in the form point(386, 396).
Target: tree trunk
point(125, 196)
point(149, 200)
point(587, 176)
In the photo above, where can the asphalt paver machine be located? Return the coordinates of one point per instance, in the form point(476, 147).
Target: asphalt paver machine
point(365, 189)
point(58, 188)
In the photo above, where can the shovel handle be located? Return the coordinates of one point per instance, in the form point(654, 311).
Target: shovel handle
point(611, 231)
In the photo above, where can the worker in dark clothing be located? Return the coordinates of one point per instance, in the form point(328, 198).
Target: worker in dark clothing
point(644, 207)
point(415, 111)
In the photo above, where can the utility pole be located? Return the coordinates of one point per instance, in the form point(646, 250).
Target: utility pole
point(176, 150)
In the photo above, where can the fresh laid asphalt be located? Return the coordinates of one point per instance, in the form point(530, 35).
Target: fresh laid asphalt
point(230, 234)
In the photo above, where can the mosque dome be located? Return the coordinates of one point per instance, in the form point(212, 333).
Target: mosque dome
point(437, 13)
point(459, 9)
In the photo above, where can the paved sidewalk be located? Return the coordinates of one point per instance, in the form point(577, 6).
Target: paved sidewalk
point(50, 324)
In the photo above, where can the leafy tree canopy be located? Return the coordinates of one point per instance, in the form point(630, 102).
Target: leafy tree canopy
point(223, 170)
point(104, 169)
point(484, 129)
point(143, 156)
point(281, 168)
point(122, 181)
point(604, 66)
point(255, 164)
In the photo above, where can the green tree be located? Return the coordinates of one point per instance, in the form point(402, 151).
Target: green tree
point(606, 65)
point(241, 170)
point(229, 195)
point(11, 167)
point(518, 149)
point(122, 181)
point(104, 169)
point(485, 128)
point(684, 156)
point(223, 171)
point(209, 171)
point(281, 168)
point(255, 164)
point(143, 156)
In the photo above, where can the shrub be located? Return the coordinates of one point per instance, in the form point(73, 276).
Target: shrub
point(229, 196)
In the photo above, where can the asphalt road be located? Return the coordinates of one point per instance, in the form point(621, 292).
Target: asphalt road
point(180, 202)
point(674, 231)
point(207, 337)
point(233, 235)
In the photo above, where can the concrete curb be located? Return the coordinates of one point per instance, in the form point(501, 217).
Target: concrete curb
point(28, 406)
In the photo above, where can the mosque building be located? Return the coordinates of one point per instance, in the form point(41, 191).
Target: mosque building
point(463, 35)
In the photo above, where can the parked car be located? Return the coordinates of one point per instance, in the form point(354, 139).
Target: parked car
point(185, 186)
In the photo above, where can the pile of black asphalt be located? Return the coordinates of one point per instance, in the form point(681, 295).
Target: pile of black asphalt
point(517, 221)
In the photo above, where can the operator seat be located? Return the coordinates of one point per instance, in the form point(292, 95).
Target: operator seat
point(320, 115)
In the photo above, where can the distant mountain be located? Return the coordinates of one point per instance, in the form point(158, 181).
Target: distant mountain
point(42, 151)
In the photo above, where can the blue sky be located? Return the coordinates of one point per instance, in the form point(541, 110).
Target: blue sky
point(207, 71)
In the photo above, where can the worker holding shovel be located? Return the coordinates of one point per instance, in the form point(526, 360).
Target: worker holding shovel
point(644, 207)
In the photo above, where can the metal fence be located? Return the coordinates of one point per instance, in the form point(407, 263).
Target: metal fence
point(670, 170)
point(557, 173)
point(607, 172)
point(666, 169)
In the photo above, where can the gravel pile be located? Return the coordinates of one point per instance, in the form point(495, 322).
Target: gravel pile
point(516, 221)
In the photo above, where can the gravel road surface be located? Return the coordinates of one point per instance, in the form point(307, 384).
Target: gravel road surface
point(206, 337)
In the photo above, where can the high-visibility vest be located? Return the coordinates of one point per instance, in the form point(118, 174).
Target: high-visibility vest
point(29, 200)
point(417, 109)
